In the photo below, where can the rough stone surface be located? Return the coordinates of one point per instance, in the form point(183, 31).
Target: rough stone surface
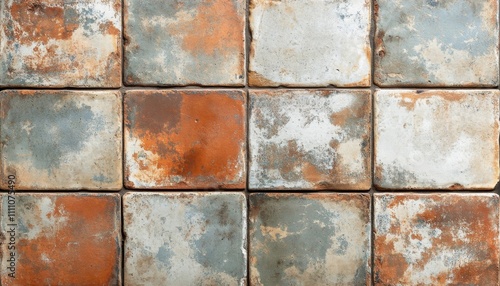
point(56, 43)
point(436, 239)
point(310, 239)
point(63, 239)
point(199, 42)
point(436, 43)
point(185, 238)
point(436, 139)
point(185, 139)
point(310, 139)
point(310, 43)
point(59, 140)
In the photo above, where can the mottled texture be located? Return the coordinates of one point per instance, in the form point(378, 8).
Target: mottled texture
point(310, 43)
point(198, 42)
point(310, 139)
point(185, 139)
point(61, 140)
point(185, 238)
point(436, 139)
point(436, 239)
point(310, 239)
point(63, 239)
point(56, 43)
point(436, 43)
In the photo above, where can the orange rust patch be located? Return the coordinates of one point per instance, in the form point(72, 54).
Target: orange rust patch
point(83, 251)
point(196, 135)
point(215, 28)
point(409, 99)
point(40, 22)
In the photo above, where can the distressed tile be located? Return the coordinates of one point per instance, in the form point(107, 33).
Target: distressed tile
point(62, 239)
point(182, 139)
point(436, 43)
point(185, 238)
point(198, 42)
point(310, 239)
point(60, 43)
point(436, 239)
point(61, 140)
point(310, 43)
point(436, 139)
point(310, 139)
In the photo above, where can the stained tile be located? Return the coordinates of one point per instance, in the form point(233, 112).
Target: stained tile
point(310, 43)
point(185, 238)
point(61, 239)
point(185, 139)
point(185, 42)
point(310, 139)
point(436, 239)
point(436, 43)
point(310, 239)
point(61, 140)
point(60, 43)
point(436, 139)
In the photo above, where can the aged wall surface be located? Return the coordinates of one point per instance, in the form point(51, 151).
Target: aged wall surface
point(249, 142)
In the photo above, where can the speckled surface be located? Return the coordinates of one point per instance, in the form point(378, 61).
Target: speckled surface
point(436, 239)
point(185, 238)
point(310, 139)
point(61, 140)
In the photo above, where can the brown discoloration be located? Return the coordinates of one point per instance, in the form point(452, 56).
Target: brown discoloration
point(197, 136)
point(409, 99)
point(462, 228)
point(256, 79)
point(215, 28)
point(80, 246)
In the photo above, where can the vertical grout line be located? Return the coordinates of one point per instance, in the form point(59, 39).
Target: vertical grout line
point(122, 92)
point(372, 141)
point(247, 132)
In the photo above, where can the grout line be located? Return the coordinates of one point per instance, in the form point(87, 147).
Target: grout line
point(373, 87)
point(247, 38)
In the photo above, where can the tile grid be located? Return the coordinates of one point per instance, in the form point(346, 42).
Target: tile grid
point(246, 88)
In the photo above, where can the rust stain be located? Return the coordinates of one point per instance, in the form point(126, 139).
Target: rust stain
point(256, 79)
point(215, 28)
point(409, 99)
point(197, 136)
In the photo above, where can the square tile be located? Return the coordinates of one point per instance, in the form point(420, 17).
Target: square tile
point(185, 238)
point(61, 140)
point(436, 43)
point(310, 139)
point(60, 43)
point(436, 139)
point(310, 43)
point(310, 239)
point(198, 42)
point(60, 239)
point(436, 239)
point(183, 139)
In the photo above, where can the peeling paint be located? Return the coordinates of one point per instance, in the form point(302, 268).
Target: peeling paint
point(64, 239)
point(185, 42)
point(436, 239)
point(310, 239)
point(310, 139)
point(60, 44)
point(61, 140)
point(436, 139)
point(185, 238)
point(436, 43)
point(310, 43)
point(185, 139)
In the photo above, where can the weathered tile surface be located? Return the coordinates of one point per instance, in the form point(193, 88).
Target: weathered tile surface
point(310, 239)
point(436, 139)
point(431, 239)
point(185, 42)
point(61, 139)
point(185, 238)
point(310, 43)
point(185, 139)
point(310, 139)
point(436, 43)
point(60, 43)
point(62, 239)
